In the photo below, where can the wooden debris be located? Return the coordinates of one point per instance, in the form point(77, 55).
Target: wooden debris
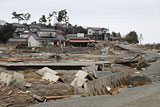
point(60, 97)
point(10, 92)
point(38, 98)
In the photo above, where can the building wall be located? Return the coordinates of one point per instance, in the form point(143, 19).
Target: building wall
point(47, 34)
point(90, 32)
point(96, 32)
point(24, 35)
point(33, 42)
point(13, 41)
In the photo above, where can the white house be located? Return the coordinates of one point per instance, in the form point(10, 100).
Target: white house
point(98, 33)
point(96, 30)
point(25, 33)
point(35, 40)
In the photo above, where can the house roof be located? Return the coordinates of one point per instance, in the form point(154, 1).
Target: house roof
point(83, 41)
point(36, 26)
point(17, 40)
point(97, 28)
point(47, 30)
point(71, 35)
point(42, 29)
point(57, 37)
point(74, 37)
point(18, 25)
point(77, 38)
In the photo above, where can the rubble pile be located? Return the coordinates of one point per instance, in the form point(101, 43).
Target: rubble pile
point(29, 76)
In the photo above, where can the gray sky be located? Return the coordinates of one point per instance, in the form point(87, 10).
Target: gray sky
point(122, 16)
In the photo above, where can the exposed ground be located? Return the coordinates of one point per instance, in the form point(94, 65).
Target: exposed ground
point(142, 96)
point(13, 97)
point(17, 95)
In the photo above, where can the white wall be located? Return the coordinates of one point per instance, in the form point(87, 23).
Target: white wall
point(24, 35)
point(33, 42)
point(47, 34)
point(90, 32)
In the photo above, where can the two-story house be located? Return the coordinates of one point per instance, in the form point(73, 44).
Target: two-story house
point(45, 37)
point(19, 28)
point(98, 33)
point(79, 39)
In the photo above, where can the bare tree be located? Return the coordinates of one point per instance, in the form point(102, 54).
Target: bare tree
point(27, 17)
point(51, 15)
point(17, 16)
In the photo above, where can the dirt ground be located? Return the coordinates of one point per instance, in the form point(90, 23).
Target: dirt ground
point(16, 95)
point(11, 96)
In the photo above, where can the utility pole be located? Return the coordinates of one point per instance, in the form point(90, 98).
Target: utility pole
point(140, 39)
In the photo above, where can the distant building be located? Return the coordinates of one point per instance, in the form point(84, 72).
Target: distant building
point(45, 37)
point(19, 28)
point(79, 40)
point(36, 36)
point(98, 33)
point(2, 22)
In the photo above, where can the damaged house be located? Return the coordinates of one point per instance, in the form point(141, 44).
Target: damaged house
point(45, 37)
point(79, 40)
point(98, 33)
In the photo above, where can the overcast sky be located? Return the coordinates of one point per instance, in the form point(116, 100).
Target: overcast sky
point(122, 16)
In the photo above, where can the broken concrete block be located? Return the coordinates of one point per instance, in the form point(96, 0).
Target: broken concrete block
point(81, 74)
point(80, 81)
point(18, 77)
point(6, 78)
point(50, 77)
point(100, 74)
point(18, 80)
point(44, 70)
point(90, 68)
point(38, 98)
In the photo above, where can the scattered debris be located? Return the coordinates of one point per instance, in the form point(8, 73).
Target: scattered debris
point(27, 85)
point(60, 97)
point(63, 81)
point(139, 80)
point(130, 86)
point(38, 98)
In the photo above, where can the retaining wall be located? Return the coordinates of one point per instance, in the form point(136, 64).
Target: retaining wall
point(98, 86)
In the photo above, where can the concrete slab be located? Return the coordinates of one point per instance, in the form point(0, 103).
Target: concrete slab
point(81, 74)
point(19, 80)
point(50, 77)
point(46, 69)
point(100, 74)
point(18, 77)
point(81, 81)
point(6, 78)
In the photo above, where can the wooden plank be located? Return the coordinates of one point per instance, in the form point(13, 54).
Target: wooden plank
point(60, 97)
